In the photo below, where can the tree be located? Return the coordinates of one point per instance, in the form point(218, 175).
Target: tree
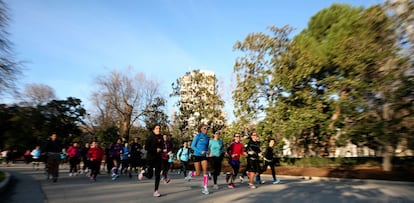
point(37, 94)
point(10, 69)
point(348, 56)
point(256, 93)
point(20, 126)
point(23, 127)
point(154, 114)
point(342, 75)
point(121, 98)
point(64, 117)
point(401, 12)
point(199, 102)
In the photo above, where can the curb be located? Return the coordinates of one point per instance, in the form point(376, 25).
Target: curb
point(5, 182)
point(347, 179)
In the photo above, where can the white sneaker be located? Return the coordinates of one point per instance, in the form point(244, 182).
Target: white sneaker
point(156, 194)
point(216, 187)
point(205, 191)
point(70, 174)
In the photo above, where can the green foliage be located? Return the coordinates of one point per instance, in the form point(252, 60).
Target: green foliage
point(341, 79)
point(108, 135)
point(344, 162)
point(25, 127)
point(199, 103)
point(314, 162)
point(154, 114)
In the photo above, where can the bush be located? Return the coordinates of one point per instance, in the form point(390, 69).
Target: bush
point(314, 162)
point(345, 162)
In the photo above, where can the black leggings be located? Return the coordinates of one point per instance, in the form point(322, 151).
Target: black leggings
point(151, 165)
point(272, 167)
point(184, 166)
point(73, 162)
point(165, 166)
point(95, 166)
point(216, 162)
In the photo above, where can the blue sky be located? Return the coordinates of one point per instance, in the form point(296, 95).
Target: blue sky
point(68, 43)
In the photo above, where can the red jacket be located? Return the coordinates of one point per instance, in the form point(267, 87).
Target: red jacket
point(72, 152)
point(235, 150)
point(95, 153)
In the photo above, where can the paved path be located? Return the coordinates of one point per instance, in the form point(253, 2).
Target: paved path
point(31, 186)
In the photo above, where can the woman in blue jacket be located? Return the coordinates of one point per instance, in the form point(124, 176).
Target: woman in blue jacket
point(200, 148)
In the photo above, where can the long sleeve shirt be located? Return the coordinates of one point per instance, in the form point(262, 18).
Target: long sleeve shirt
point(216, 147)
point(269, 154)
point(235, 150)
point(95, 154)
point(200, 144)
point(151, 144)
point(53, 146)
point(253, 149)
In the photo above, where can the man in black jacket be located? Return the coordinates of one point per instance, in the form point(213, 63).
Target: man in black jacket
point(53, 150)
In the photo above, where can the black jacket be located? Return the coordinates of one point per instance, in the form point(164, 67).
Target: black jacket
point(53, 146)
point(151, 144)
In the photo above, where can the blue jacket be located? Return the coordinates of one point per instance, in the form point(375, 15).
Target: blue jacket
point(200, 144)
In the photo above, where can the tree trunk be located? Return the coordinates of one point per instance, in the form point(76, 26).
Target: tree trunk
point(387, 158)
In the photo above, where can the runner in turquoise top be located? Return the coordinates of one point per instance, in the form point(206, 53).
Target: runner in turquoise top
point(216, 149)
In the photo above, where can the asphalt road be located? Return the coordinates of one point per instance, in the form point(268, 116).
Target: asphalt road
point(29, 185)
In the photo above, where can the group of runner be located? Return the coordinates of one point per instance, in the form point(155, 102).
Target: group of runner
point(155, 157)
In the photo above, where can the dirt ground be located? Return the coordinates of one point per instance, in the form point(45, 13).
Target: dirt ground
point(357, 172)
point(398, 174)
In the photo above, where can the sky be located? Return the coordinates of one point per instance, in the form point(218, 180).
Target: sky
point(66, 44)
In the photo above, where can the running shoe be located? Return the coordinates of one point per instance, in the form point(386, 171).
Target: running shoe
point(277, 181)
point(156, 194)
point(215, 186)
point(241, 179)
point(188, 179)
point(231, 186)
point(141, 175)
point(167, 180)
point(251, 186)
point(92, 178)
point(205, 191)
